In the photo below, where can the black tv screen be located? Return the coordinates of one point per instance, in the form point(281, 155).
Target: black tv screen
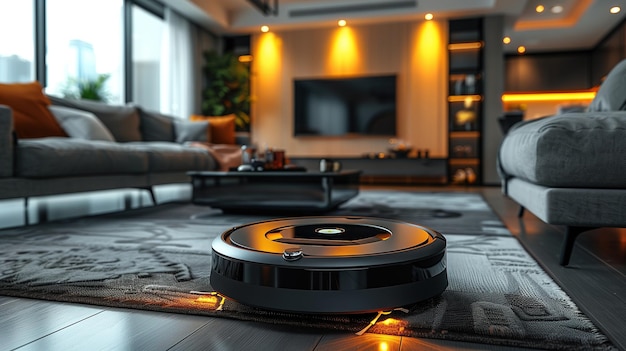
point(345, 106)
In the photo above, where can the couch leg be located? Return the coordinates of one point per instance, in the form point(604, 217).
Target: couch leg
point(26, 220)
point(571, 233)
point(152, 195)
point(520, 213)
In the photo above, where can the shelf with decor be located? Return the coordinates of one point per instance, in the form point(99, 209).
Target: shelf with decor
point(465, 97)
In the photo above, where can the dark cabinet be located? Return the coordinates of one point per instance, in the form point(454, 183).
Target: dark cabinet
point(548, 72)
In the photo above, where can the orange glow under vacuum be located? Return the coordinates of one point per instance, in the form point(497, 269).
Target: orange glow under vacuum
point(329, 264)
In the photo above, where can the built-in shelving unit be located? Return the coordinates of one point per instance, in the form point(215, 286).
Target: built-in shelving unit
point(465, 97)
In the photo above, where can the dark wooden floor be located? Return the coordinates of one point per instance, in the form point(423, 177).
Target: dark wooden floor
point(595, 280)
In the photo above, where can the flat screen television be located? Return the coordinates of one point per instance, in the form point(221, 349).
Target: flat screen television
point(360, 106)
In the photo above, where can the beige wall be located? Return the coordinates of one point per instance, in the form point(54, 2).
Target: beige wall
point(416, 52)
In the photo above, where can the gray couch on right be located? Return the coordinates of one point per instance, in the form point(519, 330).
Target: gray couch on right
point(570, 169)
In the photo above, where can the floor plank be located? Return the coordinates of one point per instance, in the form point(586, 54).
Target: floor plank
point(121, 330)
point(227, 334)
point(353, 342)
point(25, 320)
point(6, 299)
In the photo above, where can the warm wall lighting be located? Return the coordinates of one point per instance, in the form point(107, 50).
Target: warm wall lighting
point(615, 9)
point(539, 8)
point(265, 29)
point(555, 96)
point(521, 49)
point(245, 58)
point(268, 54)
point(428, 16)
point(341, 23)
point(506, 40)
point(344, 53)
point(466, 46)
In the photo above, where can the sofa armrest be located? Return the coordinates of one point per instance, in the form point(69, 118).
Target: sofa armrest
point(6, 141)
point(576, 150)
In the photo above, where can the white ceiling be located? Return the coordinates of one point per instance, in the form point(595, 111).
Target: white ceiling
point(581, 24)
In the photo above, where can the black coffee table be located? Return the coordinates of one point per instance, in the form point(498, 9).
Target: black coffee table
point(274, 191)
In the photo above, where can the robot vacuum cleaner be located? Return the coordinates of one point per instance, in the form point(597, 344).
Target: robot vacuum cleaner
point(329, 264)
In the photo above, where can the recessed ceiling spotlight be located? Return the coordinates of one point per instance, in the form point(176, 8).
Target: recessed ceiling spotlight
point(265, 29)
point(539, 8)
point(615, 9)
point(428, 16)
point(341, 23)
point(521, 49)
point(557, 9)
point(506, 40)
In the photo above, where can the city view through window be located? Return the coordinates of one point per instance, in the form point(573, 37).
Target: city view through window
point(83, 48)
point(17, 49)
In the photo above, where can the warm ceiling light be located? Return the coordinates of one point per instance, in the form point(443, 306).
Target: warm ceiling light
point(265, 29)
point(521, 49)
point(615, 9)
point(539, 8)
point(557, 9)
point(428, 16)
point(506, 40)
point(341, 23)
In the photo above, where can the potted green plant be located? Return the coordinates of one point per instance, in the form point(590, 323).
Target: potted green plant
point(88, 89)
point(227, 88)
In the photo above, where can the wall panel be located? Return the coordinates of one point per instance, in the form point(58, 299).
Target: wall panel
point(414, 51)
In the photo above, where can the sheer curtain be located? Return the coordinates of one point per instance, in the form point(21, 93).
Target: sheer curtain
point(177, 61)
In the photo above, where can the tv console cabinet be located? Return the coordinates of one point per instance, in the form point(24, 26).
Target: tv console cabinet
point(387, 170)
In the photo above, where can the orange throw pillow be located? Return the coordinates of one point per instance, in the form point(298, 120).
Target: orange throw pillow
point(31, 117)
point(221, 128)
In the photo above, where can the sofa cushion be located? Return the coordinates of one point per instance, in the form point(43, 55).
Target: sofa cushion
point(62, 157)
point(155, 126)
point(172, 157)
point(191, 131)
point(81, 124)
point(159, 127)
point(122, 121)
point(221, 128)
point(612, 93)
point(568, 150)
point(31, 117)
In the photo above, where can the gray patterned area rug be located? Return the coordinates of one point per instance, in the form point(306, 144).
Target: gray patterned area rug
point(159, 259)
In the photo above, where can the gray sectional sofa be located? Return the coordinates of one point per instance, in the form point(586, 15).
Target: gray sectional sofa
point(108, 147)
point(570, 169)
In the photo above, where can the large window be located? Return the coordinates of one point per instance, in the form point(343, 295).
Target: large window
point(147, 34)
point(84, 48)
point(17, 48)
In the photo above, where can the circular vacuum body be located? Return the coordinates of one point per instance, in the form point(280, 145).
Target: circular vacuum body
point(329, 264)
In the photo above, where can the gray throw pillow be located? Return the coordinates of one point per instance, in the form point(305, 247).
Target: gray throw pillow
point(191, 131)
point(80, 124)
point(612, 93)
point(122, 121)
point(156, 126)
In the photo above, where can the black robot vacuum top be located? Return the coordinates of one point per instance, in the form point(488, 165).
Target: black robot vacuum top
point(329, 264)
